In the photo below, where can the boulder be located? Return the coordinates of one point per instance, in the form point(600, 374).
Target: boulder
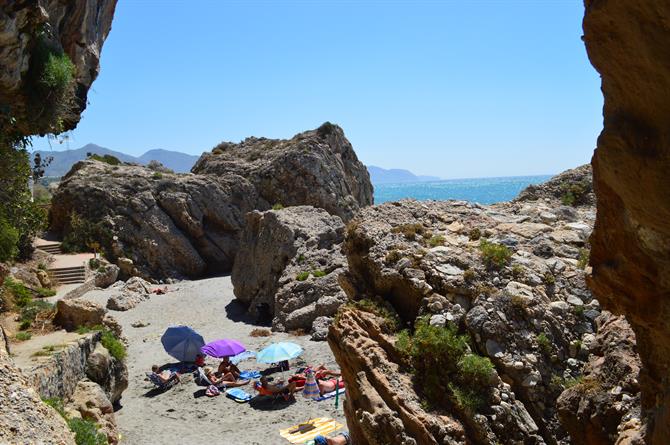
point(106, 275)
point(89, 401)
point(289, 262)
point(76, 312)
point(108, 372)
point(627, 44)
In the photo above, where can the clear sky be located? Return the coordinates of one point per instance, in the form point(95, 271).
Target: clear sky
point(446, 88)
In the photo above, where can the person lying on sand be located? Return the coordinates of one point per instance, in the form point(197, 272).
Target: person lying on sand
point(326, 386)
point(227, 367)
point(320, 373)
point(227, 380)
point(340, 439)
point(165, 376)
point(277, 388)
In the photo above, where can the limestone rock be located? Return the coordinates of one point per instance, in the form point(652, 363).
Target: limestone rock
point(106, 275)
point(317, 168)
point(110, 373)
point(627, 44)
point(90, 401)
point(289, 261)
point(71, 314)
point(77, 27)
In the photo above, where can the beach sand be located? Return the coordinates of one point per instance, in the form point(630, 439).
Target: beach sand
point(183, 414)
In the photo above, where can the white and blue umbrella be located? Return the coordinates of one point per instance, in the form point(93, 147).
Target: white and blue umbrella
point(182, 343)
point(278, 352)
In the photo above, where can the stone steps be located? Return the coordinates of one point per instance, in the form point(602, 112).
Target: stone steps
point(69, 275)
point(53, 248)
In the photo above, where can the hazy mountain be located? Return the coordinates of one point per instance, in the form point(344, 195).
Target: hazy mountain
point(380, 175)
point(63, 160)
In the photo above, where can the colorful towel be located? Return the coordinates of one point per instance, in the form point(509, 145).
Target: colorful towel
point(238, 395)
point(323, 426)
point(249, 375)
point(330, 395)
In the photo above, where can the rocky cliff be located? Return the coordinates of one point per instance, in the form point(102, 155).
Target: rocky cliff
point(507, 281)
point(77, 28)
point(172, 225)
point(288, 263)
point(317, 168)
point(628, 42)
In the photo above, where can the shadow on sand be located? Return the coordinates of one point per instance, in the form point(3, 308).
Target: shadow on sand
point(264, 403)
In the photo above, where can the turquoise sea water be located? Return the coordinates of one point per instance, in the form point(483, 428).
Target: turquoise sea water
point(481, 190)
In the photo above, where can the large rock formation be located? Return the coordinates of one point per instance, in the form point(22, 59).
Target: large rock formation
point(289, 262)
point(77, 27)
point(172, 225)
point(23, 416)
point(317, 168)
point(627, 42)
point(531, 315)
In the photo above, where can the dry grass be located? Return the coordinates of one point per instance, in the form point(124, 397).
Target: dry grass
point(298, 332)
point(261, 332)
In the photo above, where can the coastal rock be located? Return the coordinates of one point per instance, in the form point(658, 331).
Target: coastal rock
point(24, 418)
point(161, 225)
point(627, 44)
point(108, 372)
point(78, 28)
point(71, 314)
point(288, 262)
point(514, 306)
point(318, 168)
point(90, 402)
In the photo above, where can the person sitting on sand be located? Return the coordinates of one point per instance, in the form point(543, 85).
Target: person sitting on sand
point(228, 379)
point(228, 367)
point(277, 388)
point(340, 439)
point(326, 386)
point(165, 376)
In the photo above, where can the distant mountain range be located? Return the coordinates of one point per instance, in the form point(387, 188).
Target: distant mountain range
point(64, 160)
point(380, 175)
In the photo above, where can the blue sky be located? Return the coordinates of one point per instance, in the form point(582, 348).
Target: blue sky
point(447, 88)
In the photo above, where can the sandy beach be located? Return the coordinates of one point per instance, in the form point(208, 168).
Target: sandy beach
point(184, 414)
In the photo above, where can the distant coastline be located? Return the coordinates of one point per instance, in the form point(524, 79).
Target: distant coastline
point(480, 190)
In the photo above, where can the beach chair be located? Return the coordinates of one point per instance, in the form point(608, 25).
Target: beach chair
point(160, 384)
point(284, 393)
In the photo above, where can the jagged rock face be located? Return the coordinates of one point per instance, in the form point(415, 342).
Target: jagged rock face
point(534, 318)
point(604, 407)
point(168, 225)
point(23, 416)
point(578, 179)
point(627, 42)
point(317, 168)
point(79, 27)
point(275, 248)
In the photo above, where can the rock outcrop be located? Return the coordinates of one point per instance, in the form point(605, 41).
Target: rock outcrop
point(78, 28)
point(288, 264)
point(627, 44)
point(317, 168)
point(508, 276)
point(23, 416)
point(161, 225)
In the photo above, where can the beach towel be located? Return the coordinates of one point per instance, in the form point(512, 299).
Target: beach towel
point(249, 375)
point(238, 395)
point(212, 391)
point(322, 425)
point(329, 395)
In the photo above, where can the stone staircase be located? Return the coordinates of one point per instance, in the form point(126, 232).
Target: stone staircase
point(68, 275)
point(52, 248)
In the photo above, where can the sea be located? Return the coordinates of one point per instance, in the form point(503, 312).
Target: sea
point(480, 190)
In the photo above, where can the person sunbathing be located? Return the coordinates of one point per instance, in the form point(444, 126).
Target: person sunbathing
point(339, 439)
point(227, 380)
point(326, 386)
point(277, 388)
point(228, 367)
point(320, 372)
point(165, 376)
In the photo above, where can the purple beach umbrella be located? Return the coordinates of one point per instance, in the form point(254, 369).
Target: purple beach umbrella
point(223, 348)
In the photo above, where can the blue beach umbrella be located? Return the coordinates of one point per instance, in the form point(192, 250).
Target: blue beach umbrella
point(182, 343)
point(278, 352)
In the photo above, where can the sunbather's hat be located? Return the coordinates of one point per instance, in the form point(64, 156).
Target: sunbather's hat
point(320, 440)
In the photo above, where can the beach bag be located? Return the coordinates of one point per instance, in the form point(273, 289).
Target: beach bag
point(212, 391)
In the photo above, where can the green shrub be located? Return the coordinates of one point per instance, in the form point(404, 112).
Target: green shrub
point(57, 404)
point(467, 399)
point(86, 432)
point(23, 336)
point(84, 235)
point(403, 343)
point(45, 351)
point(31, 310)
point(94, 263)
point(277, 206)
point(392, 257)
point(575, 193)
point(544, 343)
point(584, 256)
point(517, 271)
point(436, 240)
point(318, 273)
point(578, 310)
point(475, 369)
point(301, 259)
point(157, 175)
point(409, 230)
point(107, 159)
point(9, 238)
point(494, 255)
point(475, 234)
point(302, 276)
point(43, 267)
point(469, 275)
point(549, 278)
point(381, 309)
point(44, 292)
point(18, 293)
point(569, 383)
point(115, 347)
